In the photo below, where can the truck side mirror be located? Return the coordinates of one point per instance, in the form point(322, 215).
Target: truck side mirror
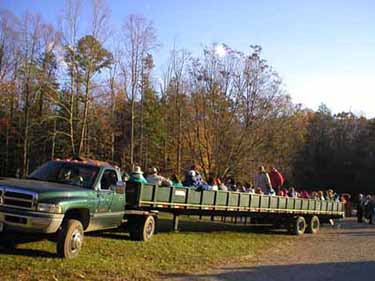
point(119, 187)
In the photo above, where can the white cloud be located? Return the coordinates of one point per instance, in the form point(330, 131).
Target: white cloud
point(220, 50)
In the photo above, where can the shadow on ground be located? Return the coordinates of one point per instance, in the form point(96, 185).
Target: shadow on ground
point(341, 271)
point(207, 226)
point(28, 253)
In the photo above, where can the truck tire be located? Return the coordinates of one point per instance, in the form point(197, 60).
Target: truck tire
point(70, 239)
point(297, 226)
point(142, 229)
point(313, 225)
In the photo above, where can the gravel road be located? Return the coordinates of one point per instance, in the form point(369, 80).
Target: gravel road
point(343, 254)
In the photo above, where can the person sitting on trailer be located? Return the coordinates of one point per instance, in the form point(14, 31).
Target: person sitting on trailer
point(305, 195)
point(330, 195)
point(212, 184)
point(314, 195)
point(176, 182)
point(281, 193)
point(292, 192)
point(155, 179)
point(221, 185)
point(136, 176)
point(249, 188)
point(321, 195)
point(258, 190)
point(231, 185)
point(193, 178)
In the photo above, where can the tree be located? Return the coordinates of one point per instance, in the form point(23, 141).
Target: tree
point(139, 39)
point(92, 58)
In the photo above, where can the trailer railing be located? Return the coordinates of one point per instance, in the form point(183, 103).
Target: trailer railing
point(139, 195)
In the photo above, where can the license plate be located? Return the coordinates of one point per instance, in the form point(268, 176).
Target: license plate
point(1, 226)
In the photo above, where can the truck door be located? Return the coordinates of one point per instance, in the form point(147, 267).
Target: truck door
point(110, 209)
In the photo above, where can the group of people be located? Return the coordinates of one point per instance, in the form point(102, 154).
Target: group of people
point(366, 208)
point(265, 183)
point(272, 183)
point(269, 182)
point(153, 177)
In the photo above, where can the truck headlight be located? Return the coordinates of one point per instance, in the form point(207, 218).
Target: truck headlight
point(49, 208)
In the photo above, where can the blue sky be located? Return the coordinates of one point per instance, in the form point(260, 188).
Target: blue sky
point(324, 50)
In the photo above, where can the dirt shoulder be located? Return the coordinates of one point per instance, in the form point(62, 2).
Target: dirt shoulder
point(344, 254)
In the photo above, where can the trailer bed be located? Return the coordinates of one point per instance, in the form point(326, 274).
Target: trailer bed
point(185, 200)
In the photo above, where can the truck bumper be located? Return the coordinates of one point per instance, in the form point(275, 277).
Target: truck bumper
point(30, 221)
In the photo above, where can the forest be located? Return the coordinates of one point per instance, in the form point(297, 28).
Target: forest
point(69, 89)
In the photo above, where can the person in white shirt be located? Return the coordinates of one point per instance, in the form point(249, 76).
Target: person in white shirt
point(155, 179)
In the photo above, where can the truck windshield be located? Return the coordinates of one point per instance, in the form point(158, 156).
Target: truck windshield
point(66, 173)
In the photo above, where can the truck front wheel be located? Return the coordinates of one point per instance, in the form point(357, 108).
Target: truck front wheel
point(70, 239)
point(142, 229)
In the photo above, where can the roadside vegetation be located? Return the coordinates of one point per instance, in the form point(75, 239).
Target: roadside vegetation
point(200, 245)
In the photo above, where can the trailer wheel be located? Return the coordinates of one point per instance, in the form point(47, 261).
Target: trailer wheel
point(142, 229)
point(313, 225)
point(69, 240)
point(297, 226)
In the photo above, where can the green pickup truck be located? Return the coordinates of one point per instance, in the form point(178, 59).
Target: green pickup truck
point(68, 198)
point(65, 198)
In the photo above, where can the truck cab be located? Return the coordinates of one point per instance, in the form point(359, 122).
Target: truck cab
point(63, 197)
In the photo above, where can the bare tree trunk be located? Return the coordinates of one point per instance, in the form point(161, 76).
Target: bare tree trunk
point(85, 113)
point(26, 132)
point(132, 132)
point(71, 118)
point(5, 170)
point(113, 109)
point(53, 140)
point(141, 131)
point(179, 142)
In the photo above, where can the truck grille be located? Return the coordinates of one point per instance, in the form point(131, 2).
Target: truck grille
point(18, 199)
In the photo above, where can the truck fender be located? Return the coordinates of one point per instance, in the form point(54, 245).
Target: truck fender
point(80, 214)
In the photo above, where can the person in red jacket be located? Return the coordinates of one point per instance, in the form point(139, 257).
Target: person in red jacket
point(277, 179)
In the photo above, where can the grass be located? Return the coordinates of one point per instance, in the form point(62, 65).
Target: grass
point(112, 256)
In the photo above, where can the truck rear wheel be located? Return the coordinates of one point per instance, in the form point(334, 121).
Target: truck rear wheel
point(313, 225)
point(70, 239)
point(142, 229)
point(297, 226)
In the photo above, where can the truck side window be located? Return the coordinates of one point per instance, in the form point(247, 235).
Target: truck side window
point(109, 178)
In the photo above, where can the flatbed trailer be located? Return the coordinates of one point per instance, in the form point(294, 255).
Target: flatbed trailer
point(297, 215)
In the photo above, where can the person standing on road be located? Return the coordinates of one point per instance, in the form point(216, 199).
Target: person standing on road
point(360, 207)
point(371, 209)
point(262, 181)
